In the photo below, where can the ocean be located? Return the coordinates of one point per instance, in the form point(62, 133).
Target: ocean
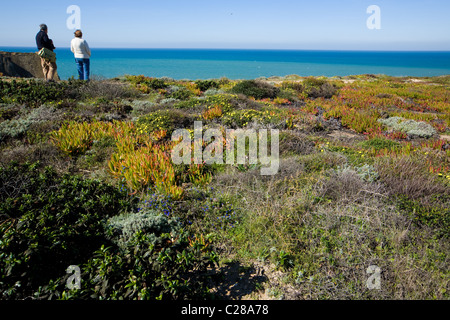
point(196, 64)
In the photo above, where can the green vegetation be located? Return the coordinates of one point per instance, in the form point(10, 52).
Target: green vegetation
point(410, 127)
point(86, 179)
point(255, 89)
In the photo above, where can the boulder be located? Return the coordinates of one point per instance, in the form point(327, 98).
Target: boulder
point(22, 65)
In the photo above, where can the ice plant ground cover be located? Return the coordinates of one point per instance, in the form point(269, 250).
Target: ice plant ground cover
point(87, 179)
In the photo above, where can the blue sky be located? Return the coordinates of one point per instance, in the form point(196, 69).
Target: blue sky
point(251, 24)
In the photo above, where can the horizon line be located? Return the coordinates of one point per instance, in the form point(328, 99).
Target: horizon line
point(245, 49)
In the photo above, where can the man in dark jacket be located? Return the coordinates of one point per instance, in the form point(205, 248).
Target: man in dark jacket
point(42, 41)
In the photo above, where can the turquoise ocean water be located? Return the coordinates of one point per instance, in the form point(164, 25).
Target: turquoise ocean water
point(250, 64)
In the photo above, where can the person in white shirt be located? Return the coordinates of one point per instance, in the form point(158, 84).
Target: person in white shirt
point(82, 53)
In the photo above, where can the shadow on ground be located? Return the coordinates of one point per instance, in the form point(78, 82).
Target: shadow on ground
point(234, 281)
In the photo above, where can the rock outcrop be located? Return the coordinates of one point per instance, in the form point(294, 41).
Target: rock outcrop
point(23, 65)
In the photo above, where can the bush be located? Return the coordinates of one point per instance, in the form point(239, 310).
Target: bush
point(319, 88)
point(32, 92)
point(123, 228)
point(151, 257)
point(105, 89)
point(37, 122)
point(168, 120)
point(326, 91)
point(412, 128)
point(13, 128)
point(48, 223)
point(205, 85)
point(241, 118)
point(288, 94)
point(296, 86)
point(294, 144)
point(207, 213)
point(9, 111)
point(407, 177)
point(168, 268)
point(311, 82)
point(437, 216)
point(318, 162)
point(180, 93)
point(256, 89)
point(143, 83)
point(342, 185)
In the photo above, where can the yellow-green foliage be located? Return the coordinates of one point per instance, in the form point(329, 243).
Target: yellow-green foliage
point(76, 138)
point(138, 161)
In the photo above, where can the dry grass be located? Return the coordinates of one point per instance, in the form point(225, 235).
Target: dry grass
point(106, 89)
point(333, 227)
point(407, 176)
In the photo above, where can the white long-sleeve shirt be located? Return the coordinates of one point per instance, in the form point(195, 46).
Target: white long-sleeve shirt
point(80, 48)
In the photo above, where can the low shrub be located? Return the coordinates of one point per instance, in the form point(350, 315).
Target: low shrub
point(152, 265)
point(48, 223)
point(296, 86)
point(205, 85)
point(105, 89)
point(319, 88)
point(142, 107)
point(167, 120)
point(317, 162)
point(13, 128)
point(9, 111)
point(227, 102)
point(289, 94)
point(410, 127)
point(294, 144)
point(146, 84)
point(213, 92)
point(122, 229)
point(180, 94)
point(408, 177)
point(326, 91)
point(342, 185)
point(206, 212)
point(32, 92)
point(241, 118)
point(314, 82)
point(347, 184)
point(436, 216)
point(256, 89)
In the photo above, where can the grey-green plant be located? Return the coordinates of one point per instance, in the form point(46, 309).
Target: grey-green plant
point(122, 229)
point(213, 92)
point(168, 101)
point(13, 128)
point(366, 172)
point(412, 128)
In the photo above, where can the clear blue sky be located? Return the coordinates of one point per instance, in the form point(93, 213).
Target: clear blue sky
point(280, 24)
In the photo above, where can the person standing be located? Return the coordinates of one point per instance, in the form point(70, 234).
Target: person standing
point(82, 53)
point(42, 41)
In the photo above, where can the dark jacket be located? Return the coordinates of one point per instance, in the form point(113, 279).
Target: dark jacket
point(42, 41)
